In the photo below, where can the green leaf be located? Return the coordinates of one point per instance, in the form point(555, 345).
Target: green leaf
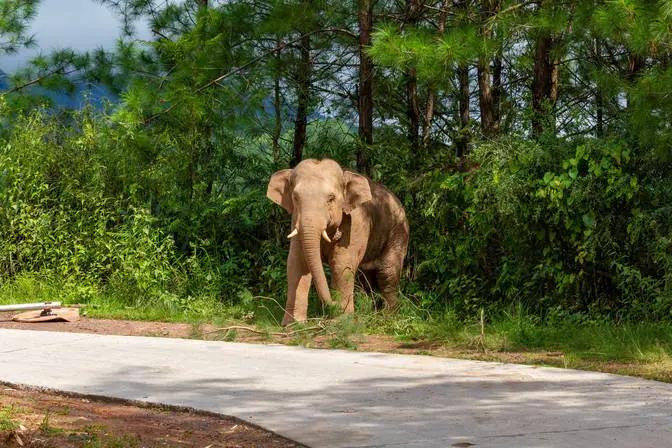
point(588, 220)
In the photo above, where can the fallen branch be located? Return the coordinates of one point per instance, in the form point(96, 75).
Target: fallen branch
point(270, 333)
point(236, 327)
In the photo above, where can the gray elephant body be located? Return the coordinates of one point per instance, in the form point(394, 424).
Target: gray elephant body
point(345, 219)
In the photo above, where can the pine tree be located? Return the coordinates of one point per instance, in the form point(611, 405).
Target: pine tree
point(15, 17)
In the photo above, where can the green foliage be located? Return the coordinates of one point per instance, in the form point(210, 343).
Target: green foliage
point(72, 220)
point(574, 227)
point(15, 16)
point(7, 418)
point(60, 223)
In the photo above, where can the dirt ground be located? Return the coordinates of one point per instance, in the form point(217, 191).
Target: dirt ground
point(38, 419)
point(376, 343)
point(366, 343)
point(105, 326)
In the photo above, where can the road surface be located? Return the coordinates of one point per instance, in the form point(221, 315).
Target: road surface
point(333, 398)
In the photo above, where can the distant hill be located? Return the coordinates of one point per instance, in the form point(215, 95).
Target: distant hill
point(4, 83)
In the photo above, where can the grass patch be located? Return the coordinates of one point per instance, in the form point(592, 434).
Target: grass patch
point(101, 303)
point(571, 341)
point(346, 332)
point(46, 426)
point(561, 340)
point(7, 418)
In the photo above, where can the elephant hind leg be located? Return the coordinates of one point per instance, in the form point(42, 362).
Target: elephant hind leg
point(388, 278)
point(388, 272)
point(367, 280)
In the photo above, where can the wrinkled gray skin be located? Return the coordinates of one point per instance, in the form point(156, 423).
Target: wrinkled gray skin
point(365, 223)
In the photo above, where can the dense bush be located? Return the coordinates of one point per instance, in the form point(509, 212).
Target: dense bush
point(58, 221)
point(575, 226)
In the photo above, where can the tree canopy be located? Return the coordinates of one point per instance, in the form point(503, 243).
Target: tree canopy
point(528, 140)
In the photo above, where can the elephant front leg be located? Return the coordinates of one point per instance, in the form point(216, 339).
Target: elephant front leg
point(343, 281)
point(298, 286)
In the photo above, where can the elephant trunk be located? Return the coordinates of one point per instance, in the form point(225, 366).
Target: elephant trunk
point(310, 240)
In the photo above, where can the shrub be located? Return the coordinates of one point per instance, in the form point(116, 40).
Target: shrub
point(583, 225)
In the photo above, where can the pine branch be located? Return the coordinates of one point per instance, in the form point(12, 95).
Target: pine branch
point(39, 79)
point(219, 79)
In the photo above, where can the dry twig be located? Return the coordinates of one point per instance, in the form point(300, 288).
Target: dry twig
point(318, 328)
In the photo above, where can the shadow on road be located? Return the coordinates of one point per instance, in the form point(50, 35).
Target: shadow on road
point(480, 407)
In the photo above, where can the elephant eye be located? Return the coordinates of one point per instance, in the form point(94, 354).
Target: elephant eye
point(331, 199)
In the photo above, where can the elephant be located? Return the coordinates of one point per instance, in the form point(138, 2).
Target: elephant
point(345, 219)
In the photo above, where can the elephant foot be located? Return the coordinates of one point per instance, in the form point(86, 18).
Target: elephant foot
point(348, 305)
point(289, 319)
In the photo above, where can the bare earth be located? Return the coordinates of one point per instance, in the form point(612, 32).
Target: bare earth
point(48, 420)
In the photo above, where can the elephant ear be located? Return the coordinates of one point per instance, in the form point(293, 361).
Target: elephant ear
point(279, 190)
point(357, 191)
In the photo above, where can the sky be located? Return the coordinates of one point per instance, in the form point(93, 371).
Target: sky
point(78, 24)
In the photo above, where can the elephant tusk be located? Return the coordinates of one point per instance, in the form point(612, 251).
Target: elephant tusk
point(293, 234)
point(325, 236)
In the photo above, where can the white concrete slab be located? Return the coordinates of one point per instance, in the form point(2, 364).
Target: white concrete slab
point(330, 398)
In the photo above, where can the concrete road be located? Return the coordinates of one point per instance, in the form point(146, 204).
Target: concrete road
point(348, 399)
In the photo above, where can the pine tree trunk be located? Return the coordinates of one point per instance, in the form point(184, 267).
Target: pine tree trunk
point(429, 115)
point(463, 137)
point(462, 142)
point(412, 109)
point(544, 84)
point(497, 89)
point(413, 12)
point(431, 91)
point(635, 66)
point(488, 100)
point(365, 92)
point(304, 70)
point(277, 109)
point(599, 102)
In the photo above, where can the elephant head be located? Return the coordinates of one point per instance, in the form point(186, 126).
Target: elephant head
point(317, 193)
